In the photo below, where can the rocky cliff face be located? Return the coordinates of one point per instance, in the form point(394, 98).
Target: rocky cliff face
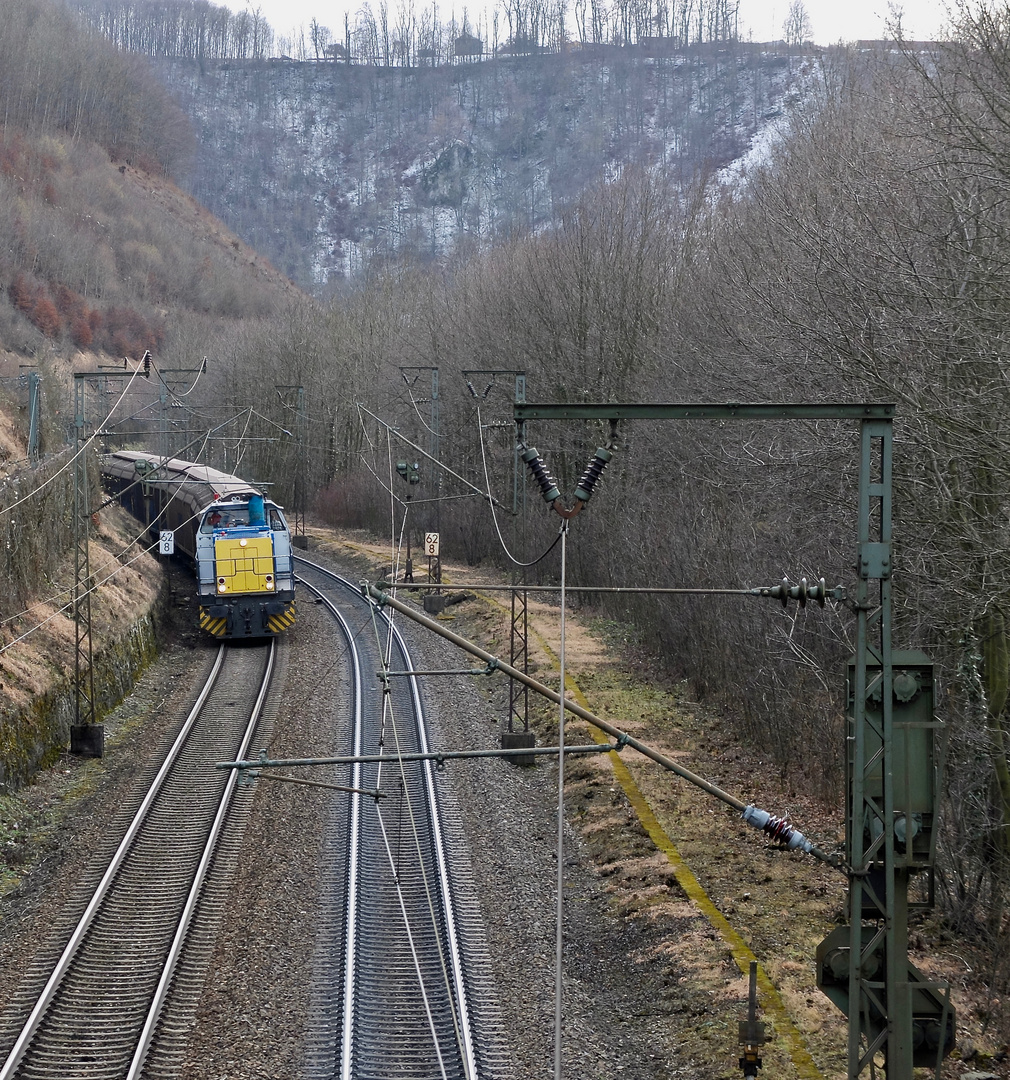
point(326, 167)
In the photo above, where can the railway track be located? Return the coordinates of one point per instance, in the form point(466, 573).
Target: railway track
point(101, 1012)
point(400, 1000)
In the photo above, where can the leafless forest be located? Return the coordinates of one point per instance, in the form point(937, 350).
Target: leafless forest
point(865, 258)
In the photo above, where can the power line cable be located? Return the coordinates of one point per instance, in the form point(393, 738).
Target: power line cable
point(494, 516)
point(81, 450)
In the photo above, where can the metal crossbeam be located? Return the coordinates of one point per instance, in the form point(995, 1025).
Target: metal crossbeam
point(730, 410)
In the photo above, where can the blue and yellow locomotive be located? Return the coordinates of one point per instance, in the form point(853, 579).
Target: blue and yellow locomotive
point(237, 540)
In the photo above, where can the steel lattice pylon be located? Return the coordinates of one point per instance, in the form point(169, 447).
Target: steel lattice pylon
point(518, 719)
point(293, 399)
point(893, 1011)
point(82, 735)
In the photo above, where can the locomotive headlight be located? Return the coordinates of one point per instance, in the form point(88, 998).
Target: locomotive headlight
point(242, 543)
point(270, 585)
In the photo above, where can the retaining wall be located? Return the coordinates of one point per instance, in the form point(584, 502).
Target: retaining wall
point(34, 738)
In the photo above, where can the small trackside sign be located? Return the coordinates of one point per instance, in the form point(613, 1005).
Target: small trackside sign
point(166, 542)
point(431, 543)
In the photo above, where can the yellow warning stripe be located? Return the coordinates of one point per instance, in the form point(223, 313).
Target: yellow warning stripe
point(771, 999)
point(213, 626)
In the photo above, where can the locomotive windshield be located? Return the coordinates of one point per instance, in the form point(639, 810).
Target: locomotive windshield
point(225, 516)
point(230, 515)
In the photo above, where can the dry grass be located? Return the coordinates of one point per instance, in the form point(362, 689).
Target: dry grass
point(39, 643)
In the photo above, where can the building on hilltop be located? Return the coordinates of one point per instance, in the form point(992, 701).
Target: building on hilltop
point(466, 45)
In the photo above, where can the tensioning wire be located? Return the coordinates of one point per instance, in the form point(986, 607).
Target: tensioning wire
point(55, 597)
point(387, 708)
point(83, 449)
point(559, 938)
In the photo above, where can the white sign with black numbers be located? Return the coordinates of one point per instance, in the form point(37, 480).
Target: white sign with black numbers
point(431, 543)
point(166, 542)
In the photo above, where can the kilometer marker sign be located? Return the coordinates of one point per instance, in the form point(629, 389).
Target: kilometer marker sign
point(431, 543)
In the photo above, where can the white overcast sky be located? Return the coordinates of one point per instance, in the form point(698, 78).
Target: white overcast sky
point(832, 20)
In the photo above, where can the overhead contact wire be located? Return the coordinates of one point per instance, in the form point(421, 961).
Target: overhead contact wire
point(560, 915)
point(56, 597)
point(81, 450)
point(387, 702)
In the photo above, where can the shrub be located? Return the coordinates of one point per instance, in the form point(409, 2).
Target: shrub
point(45, 316)
point(22, 294)
point(80, 332)
point(127, 333)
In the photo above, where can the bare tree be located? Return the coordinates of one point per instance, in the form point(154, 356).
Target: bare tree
point(320, 38)
point(797, 29)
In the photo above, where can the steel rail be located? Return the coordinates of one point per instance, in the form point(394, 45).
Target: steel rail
point(354, 840)
point(456, 987)
point(70, 951)
point(445, 885)
point(196, 888)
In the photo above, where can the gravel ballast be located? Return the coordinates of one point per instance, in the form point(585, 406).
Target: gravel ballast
point(623, 1001)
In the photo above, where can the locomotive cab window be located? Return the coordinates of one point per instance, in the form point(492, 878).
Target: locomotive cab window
point(276, 521)
point(225, 516)
point(211, 521)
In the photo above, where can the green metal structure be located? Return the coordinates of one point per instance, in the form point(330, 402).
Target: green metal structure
point(517, 723)
point(87, 737)
point(897, 1019)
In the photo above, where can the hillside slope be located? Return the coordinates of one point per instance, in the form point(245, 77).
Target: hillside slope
point(104, 255)
point(330, 168)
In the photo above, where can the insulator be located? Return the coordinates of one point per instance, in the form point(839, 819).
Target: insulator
point(593, 470)
point(778, 829)
point(801, 593)
point(778, 592)
point(548, 485)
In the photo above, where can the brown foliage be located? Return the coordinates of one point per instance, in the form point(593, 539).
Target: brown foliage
point(80, 332)
point(21, 293)
point(127, 333)
point(45, 316)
